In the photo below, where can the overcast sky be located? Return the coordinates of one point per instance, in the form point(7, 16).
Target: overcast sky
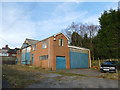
point(39, 20)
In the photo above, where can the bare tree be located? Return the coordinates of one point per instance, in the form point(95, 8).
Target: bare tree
point(92, 31)
point(69, 30)
point(82, 29)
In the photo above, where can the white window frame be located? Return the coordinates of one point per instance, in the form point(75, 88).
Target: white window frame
point(34, 47)
point(59, 42)
point(44, 44)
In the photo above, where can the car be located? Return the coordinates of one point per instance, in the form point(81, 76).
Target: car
point(109, 66)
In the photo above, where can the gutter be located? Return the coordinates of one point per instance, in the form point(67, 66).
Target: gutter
point(77, 47)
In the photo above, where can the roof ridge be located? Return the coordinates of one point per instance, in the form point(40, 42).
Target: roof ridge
point(53, 36)
point(31, 39)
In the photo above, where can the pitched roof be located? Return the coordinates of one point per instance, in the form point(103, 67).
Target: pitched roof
point(31, 41)
point(53, 36)
point(12, 51)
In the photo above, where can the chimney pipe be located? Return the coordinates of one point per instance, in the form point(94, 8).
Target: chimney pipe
point(6, 46)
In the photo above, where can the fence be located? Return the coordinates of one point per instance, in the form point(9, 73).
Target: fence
point(8, 59)
point(99, 62)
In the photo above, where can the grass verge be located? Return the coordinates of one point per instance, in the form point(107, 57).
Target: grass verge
point(110, 75)
point(21, 76)
point(68, 74)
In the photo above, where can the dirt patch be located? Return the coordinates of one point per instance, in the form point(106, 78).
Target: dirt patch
point(52, 75)
point(109, 76)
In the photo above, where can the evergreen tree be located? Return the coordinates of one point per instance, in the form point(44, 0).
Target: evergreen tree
point(86, 41)
point(76, 39)
point(107, 40)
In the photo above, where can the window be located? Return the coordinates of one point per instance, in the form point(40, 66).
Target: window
point(44, 44)
point(44, 57)
point(13, 54)
point(25, 44)
point(60, 42)
point(34, 47)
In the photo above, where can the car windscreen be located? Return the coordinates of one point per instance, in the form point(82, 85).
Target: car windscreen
point(114, 62)
point(107, 63)
point(110, 62)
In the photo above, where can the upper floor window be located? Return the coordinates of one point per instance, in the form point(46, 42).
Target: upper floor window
point(60, 42)
point(34, 47)
point(44, 44)
point(25, 44)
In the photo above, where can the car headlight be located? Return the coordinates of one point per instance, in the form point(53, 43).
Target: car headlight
point(112, 67)
point(101, 67)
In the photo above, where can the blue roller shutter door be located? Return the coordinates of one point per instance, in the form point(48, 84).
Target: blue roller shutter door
point(78, 60)
point(60, 62)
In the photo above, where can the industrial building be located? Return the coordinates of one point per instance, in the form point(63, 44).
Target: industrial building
point(53, 53)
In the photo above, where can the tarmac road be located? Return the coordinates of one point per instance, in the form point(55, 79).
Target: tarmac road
point(54, 80)
point(5, 83)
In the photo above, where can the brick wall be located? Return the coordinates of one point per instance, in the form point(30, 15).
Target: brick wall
point(53, 50)
point(61, 50)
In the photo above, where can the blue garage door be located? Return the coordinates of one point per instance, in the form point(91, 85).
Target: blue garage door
point(28, 57)
point(78, 60)
point(25, 57)
point(17, 60)
point(60, 62)
point(32, 59)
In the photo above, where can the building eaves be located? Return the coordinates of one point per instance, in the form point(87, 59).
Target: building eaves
point(77, 47)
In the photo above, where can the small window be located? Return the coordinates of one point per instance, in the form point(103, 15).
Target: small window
point(25, 44)
point(34, 47)
point(44, 44)
point(44, 57)
point(60, 42)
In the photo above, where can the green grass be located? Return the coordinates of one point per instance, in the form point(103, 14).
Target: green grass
point(36, 68)
point(110, 75)
point(21, 76)
point(68, 74)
